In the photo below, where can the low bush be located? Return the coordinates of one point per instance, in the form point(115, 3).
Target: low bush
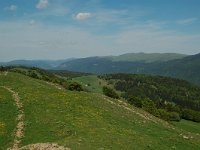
point(74, 86)
point(110, 92)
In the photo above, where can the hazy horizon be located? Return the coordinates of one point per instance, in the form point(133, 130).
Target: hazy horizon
point(41, 59)
point(61, 29)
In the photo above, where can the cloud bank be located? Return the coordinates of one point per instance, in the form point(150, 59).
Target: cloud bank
point(70, 29)
point(187, 21)
point(83, 16)
point(42, 4)
point(11, 8)
point(42, 42)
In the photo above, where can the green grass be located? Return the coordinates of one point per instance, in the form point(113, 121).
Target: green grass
point(91, 82)
point(8, 113)
point(188, 126)
point(81, 120)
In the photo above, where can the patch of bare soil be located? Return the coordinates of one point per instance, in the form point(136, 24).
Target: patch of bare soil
point(44, 146)
point(6, 73)
point(55, 85)
point(3, 73)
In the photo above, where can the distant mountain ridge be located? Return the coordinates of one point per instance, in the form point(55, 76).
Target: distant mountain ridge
point(187, 68)
point(45, 64)
point(166, 64)
point(147, 57)
point(126, 63)
point(131, 57)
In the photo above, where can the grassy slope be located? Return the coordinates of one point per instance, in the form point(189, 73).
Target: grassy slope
point(8, 115)
point(89, 121)
point(188, 126)
point(96, 84)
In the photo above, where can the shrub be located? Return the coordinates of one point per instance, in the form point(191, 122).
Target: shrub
point(2, 68)
point(149, 106)
point(163, 114)
point(189, 114)
point(74, 86)
point(110, 92)
point(33, 75)
point(135, 101)
point(174, 116)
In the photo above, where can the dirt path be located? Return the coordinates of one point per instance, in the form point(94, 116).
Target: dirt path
point(148, 117)
point(123, 105)
point(145, 116)
point(6, 73)
point(55, 85)
point(44, 146)
point(19, 131)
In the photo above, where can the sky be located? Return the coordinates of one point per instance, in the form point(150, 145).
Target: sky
point(60, 29)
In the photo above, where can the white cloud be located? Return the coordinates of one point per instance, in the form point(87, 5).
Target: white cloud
point(147, 40)
point(42, 42)
point(42, 4)
point(187, 21)
point(11, 8)
point(51, 42)
point(32, 22)
point(122, 17)
point(83, 16)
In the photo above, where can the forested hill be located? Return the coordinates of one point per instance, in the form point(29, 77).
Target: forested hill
point(44, 64)
point(147, 57)
point(157, 94)
point(173, 65)
point(187, 68)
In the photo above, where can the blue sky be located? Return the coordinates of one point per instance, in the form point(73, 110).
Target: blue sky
point(58, 29)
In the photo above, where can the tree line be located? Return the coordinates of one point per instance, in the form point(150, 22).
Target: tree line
point(164, 97)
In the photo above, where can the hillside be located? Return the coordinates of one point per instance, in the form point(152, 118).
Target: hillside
point(187, 68)
point(164, 97)
point(45, 64)
point(80, 120)
point(166, 64)
point(99, 65)
point(132, 57)
point(147, 57)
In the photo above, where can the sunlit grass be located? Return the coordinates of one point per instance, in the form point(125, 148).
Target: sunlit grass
point(91, 82)
point(8, 113)
point(81, 120)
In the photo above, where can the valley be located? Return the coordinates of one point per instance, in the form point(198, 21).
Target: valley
point(165, 64)
point(99, 75)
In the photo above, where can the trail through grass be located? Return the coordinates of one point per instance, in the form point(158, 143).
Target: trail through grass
point(19, 131)
point(8, 114)
point(81, 120)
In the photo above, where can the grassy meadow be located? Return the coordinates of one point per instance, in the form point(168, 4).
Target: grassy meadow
point(91, 82)
point(188, 126)
point(81, 120)
point(8, 113)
